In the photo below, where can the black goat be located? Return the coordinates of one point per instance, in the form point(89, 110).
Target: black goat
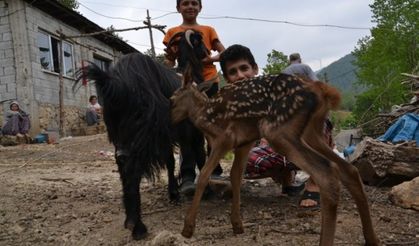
point(135, 96)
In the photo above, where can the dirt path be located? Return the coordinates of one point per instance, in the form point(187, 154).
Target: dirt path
point(69, 194)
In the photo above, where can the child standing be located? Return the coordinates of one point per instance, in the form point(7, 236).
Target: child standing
point(189, 9)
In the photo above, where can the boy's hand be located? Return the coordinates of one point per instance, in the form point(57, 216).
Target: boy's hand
point(207, 60)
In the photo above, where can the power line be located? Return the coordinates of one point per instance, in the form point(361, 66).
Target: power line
point(161, 16)
point(127, 6)
point(214, 17)
point(339, 75)
point(286, 22)
point(144, 45)
point(110, 17)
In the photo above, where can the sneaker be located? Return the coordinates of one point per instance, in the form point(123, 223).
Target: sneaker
point(187, 187)
point(293, 190)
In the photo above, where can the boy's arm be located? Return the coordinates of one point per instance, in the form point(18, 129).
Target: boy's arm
point(169, 63)
point(218, 46)
point(169, 52)
point(170, 57)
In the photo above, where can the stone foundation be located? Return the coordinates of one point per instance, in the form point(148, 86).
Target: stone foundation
point(49, 117)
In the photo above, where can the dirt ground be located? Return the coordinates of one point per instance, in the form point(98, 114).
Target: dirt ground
point(69, 194)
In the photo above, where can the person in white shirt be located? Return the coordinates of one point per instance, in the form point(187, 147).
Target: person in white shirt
point(94, 111)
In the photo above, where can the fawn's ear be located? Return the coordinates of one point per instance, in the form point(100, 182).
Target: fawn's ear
point(204, 86)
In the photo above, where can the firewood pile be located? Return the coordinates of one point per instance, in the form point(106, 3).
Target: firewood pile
point(382, 163)
point(385, 163)
point(378, 126)
point(382, 122)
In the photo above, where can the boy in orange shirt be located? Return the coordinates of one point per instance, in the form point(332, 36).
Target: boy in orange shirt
point(189, 9)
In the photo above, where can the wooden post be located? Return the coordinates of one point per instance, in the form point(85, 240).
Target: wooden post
point(61, 88)
point(148, 23)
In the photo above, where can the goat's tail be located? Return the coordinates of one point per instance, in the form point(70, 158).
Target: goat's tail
point(330, 94)
point(91, 72)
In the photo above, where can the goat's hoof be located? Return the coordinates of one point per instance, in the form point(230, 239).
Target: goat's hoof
point(129, 224)
point(139, 232)
point(187, 231)
point(174, 197)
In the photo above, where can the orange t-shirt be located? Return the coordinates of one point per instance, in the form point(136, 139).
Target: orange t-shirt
point(209, 35)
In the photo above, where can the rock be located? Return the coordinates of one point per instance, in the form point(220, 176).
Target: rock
point(8, 140)
point(18, 229)
point(166, 238)
point(406, 195)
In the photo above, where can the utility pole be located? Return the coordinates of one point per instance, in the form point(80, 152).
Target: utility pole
point(148, 23)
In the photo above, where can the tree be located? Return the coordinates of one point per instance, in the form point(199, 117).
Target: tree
point(277, 61)
point(159, 57)
point(391, 50)
point(71, 4)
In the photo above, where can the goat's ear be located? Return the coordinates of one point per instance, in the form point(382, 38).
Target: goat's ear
point(204, 86)
point(187, 79)
point(186, 82)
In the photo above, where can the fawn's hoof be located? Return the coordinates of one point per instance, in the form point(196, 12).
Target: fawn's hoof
point(238, 229)
point(373, 244)
point(187, 231)
point(139, 232)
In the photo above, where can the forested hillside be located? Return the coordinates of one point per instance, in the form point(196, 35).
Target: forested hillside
point(341, 74)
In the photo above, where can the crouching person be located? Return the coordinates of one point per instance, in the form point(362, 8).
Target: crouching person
point(17, 121)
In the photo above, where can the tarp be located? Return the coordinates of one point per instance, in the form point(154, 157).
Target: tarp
point(406, 128)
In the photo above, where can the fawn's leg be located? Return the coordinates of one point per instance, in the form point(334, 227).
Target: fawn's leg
point(217, 152)
point(349, 176)
point(286, 140)
point(236, 174)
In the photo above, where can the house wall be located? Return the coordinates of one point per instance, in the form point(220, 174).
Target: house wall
point(7, 62)
point(35, 88)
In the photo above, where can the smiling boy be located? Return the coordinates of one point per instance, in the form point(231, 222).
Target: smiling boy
point(190, 9)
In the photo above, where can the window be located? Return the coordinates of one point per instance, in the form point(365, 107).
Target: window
point(49, 54)
point(102, 63)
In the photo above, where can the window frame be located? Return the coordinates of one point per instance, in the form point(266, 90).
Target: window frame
point(104, 61)
point(51, 67)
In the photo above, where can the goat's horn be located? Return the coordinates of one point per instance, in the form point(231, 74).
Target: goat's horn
point(188, 34)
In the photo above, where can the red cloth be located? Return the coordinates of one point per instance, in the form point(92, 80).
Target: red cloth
point(262, 157)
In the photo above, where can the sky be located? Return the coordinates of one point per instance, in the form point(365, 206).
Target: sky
point(318, 45)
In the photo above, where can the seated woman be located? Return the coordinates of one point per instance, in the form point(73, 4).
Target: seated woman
point(17, 121)
point(94, 111)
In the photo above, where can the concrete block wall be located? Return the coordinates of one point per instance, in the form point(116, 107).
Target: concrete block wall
point(7, 62)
